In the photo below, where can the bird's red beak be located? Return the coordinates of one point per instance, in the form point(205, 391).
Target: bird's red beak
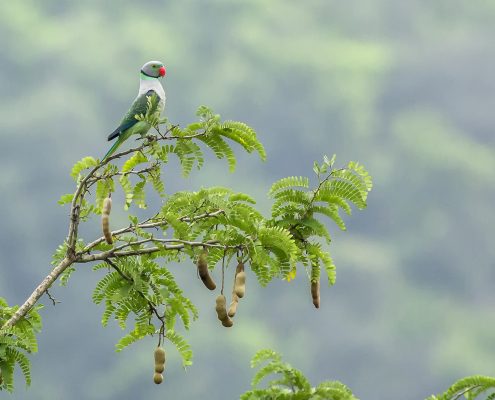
point(162, 71)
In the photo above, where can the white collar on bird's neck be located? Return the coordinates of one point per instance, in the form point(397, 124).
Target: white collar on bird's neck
point(149, 83)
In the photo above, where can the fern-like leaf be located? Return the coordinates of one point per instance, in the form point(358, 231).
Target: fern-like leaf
point(139, 332)
point(470, 387)
point(136, 159)
point(22, 361)
point(182, 347)
point(264, 355)
point(288, 182)
point(242, 134)
point(220, 148)
point(85, 163)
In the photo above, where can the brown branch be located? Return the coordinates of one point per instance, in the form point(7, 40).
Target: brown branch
point(115, 252)
point(97, 178)
point(130, 228)
point(147, 225)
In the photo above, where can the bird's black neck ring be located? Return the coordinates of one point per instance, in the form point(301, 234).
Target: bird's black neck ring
point(144, 73)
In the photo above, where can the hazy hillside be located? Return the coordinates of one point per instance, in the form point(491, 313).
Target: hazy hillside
point(406, 88)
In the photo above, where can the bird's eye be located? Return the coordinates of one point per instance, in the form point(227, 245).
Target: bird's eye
point(155, 66)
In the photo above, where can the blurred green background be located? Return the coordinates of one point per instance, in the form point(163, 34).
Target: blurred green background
point(406, 88)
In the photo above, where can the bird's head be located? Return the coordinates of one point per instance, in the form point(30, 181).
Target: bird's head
point(153, 69)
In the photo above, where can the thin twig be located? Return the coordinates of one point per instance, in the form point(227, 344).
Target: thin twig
point(53, 299)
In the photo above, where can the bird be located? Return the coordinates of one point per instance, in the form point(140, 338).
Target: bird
point(149, 86)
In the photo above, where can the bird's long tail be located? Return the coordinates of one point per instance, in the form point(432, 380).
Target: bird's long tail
point(114, 147)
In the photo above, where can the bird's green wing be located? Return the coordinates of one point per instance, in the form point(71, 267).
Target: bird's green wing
point(139, 106)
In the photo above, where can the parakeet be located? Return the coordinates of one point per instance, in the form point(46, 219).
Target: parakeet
point(149, 85)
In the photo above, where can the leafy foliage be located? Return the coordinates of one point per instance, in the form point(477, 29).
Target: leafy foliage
point(289, 383)
point(137, 286)
point(226, 223)
point(471, 387)
point(137, 281)
point(212, 132)
point(15, 342)
point(85, 163)
point(296, 208)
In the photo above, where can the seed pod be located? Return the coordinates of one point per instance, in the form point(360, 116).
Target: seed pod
point(157, 378)
point(315, 283)
point(240, 281)
point(228, 323)
point(233, 305)
point(159, 368)
point(159, 355)
point(105, 219)
point(315, 293)
point(203, 270)
point(222, 311)
point(220, 307)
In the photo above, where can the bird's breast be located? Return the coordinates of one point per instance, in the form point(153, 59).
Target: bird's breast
point(155, 85)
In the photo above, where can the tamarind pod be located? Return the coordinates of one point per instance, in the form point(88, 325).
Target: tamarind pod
point(159, 355)
point(203, 270)
point(315, 293)
point(233, 305)
point(159, 368)
point(105, 223)
point(222, 311)
point(315, 283)
point(240, 284)
point(105, 219)
point(220, 307)
point(239, 288)
point(157, 378)
point(107, 205)
point(240, 280)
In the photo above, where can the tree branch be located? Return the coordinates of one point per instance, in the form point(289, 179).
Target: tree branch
point(180, 244)
point(147, 225)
